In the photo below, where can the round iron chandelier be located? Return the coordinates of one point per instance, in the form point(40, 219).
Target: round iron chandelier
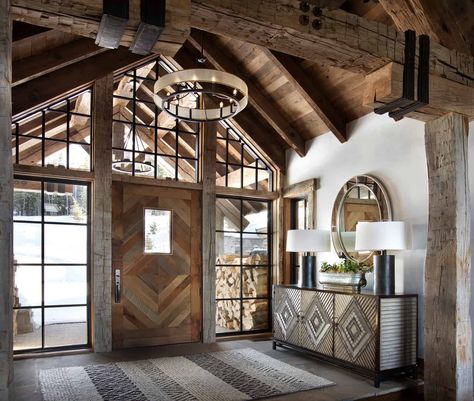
point(201, 95)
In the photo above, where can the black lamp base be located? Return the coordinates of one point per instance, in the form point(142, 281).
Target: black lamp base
point(384, 274)
point(307, 273)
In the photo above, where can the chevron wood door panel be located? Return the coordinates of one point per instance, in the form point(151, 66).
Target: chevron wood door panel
point(160, 293)
point(355, 333)
point(316, 332)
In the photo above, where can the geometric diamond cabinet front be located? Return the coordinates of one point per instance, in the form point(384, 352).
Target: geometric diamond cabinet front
point(286, 314)
point(355, 318)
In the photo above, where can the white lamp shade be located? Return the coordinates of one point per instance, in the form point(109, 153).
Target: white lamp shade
point(308, 241)
point(382, 236)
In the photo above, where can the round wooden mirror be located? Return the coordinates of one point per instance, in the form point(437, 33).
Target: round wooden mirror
point(362, 198)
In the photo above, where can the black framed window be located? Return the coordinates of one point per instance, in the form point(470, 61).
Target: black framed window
point(152, 143)
point(243, 265)
point(52, 264)
point(238, 165)
point(298, 221)
point(58, 135)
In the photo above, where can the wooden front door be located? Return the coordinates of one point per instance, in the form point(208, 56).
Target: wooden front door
point(160, 275)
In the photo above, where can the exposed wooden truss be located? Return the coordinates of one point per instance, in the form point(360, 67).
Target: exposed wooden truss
point(82, 18)
point(220, 59)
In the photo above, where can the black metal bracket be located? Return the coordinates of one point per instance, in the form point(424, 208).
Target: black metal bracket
point(407, 103)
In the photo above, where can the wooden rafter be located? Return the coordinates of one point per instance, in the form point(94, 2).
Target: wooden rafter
point(35, 66)
point(222, 60)
point(344, 40)
point(310, 91)
point(442, 20)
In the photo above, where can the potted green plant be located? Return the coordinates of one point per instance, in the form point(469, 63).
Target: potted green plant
point(346, 275)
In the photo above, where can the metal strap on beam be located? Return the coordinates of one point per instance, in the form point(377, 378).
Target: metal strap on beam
point(153, 13)
point(113, 23)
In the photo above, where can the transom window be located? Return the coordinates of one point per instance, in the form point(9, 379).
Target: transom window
point(147, 141)
point(51, 264)
point(243, 265)
point(238, 166)
point(57, 136)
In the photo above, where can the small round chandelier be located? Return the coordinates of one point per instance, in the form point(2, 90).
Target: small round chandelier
point(201, 95)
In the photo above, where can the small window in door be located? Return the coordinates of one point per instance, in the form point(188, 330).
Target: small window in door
point(157, 231)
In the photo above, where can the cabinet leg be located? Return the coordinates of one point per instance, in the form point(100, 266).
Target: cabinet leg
point(274, 345)
point(377, 381)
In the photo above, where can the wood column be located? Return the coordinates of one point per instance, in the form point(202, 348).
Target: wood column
point(448, 348)
point(102, 215)
point(209, 135)
point(6, 206)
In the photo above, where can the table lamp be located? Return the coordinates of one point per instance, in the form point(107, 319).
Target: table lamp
point(383, 236)
point(308, 241)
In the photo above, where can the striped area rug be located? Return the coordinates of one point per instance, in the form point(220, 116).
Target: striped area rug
point(243, 374)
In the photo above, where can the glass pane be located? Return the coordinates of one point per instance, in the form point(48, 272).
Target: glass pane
point(27, 200)
point(227, 282)
point(167, 143)
point(65, 326)
point(228, 249)
point(82, 103)
point(255, 282)
point(55, 154)
point(250, 177)
point(157, 231)
point(145, 139)
point(65, 203)
point(255, 315)
point(234, 176)
point(80, 129)
point(79, 157)
point(31, 125)
point(27, 243)
point(65, 244)
point(55, 125)
point(65, 285)
point(255, 249)
point(234, 152)
point(145, 112)
point(166, 167)
point(249, 157)
point(26, 329)
point(255, 216)
point(144, 164)
point(122, 161)
point(187, 145)
point(227, 316)
point(187, 170)
point(30, 151)
point(227, 214)
point(220, 174)
point(27, 287)
point(264, 180)
point(122, 135)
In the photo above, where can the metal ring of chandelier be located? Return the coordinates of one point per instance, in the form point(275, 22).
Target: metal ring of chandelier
point(236, 95)
point(126, 166)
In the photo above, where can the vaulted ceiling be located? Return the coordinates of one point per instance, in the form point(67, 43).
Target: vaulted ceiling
point(291, 99)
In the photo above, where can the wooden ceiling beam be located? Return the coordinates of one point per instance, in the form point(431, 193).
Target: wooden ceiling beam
point(439, 19)
point(221, 59)
point(344, 40)
point(310, 91)
point(82, 17)
point(52, 86)
point(35, 66)
point(253, 127)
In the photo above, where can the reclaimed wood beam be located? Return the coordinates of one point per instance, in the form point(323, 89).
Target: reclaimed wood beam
point(386, 85)
point(344, 40)
point(222, 59)
point(82, 17)
point(35, 66)
point(309, 89)
point(6, 206)
point(438, 19)
point(447, 327)
point(38, 92)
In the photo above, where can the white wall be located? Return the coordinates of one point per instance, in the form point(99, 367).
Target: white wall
point(392, 152)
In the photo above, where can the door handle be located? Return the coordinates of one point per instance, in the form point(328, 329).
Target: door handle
point(117, 286)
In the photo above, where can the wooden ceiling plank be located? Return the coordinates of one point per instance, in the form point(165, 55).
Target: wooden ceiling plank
point(434, 18)
point(344, 40)
point(40, 91)
point(35, 66)
point(222, 60)
point(311, 92)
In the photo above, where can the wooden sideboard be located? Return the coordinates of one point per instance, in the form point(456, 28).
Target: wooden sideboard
point(373, 334)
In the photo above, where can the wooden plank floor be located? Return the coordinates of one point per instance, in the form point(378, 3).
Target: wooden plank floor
point(349, 386)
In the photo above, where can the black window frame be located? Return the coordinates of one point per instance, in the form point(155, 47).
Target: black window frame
point(42, 307)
